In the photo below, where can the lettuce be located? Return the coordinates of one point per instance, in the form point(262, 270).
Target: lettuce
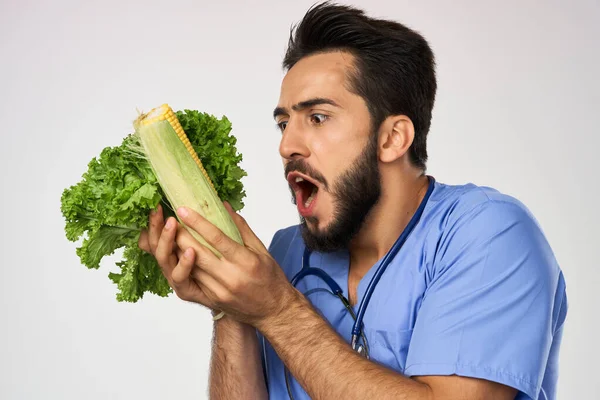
point(109, 207)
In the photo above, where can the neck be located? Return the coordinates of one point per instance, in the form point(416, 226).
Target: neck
point(400, 197)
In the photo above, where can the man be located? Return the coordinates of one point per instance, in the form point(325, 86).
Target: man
point(471, 306)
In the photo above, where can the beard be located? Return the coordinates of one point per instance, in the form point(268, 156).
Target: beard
point(354, 194)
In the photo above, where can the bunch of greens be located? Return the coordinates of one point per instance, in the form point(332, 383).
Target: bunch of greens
point(110, 206)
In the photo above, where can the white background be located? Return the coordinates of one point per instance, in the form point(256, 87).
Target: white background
point(517, 109)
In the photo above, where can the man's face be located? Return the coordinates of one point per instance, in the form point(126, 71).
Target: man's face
point(329, 150)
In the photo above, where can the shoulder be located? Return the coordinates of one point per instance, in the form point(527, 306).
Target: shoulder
point(283, 238)
point(286, 247)
point(491, 233)
point(472, 209)
point(462, 199)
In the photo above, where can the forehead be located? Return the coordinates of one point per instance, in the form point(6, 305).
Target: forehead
point(319, 75)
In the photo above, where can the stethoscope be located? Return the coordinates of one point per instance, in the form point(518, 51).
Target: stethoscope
point(357, 328)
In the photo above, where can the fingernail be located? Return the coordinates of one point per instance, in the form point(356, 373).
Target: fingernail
point(182, 211)
point(170, 223)
point(188, 253)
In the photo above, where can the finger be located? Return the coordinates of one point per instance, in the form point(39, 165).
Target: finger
point(228, 247)
point(183, 284)
point(248, 236)
point(156, 227)
point(205, 258)
point(210, 286)
point(181, 245)
point(164, 250)
point(182, 271)
point(184, 239)
point(143, 241)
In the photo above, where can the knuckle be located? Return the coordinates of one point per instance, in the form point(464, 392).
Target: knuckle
point(162, 257)
point(188, 264)
point(177, 279)
point(177, 292)
point(240, 218)
point(226, 297)
point(255, 263)
point(185, 296)
point(166, 234)
point(237, 285)
point(182, 294)
point(218, 239)
point(143, 245)
point(201, 260)
point(153, 243)
point(191, 221)
point(196, 274)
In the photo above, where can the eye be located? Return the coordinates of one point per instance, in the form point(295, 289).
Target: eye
point(281, 125)
point(318, 118)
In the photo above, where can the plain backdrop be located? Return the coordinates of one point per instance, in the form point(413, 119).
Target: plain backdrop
point(517, 109)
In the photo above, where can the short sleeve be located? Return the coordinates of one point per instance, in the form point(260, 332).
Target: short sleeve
point(493, 303)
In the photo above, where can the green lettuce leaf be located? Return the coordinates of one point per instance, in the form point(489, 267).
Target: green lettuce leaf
point(109, 207)
point(215, 146)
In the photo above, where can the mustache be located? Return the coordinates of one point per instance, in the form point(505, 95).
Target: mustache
point(303, 168)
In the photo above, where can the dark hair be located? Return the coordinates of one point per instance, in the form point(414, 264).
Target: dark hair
point(394, 65)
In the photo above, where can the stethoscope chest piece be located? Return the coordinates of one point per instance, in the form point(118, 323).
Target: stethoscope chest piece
point(362, 351)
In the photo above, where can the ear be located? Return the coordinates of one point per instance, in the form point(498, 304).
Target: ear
point(396, 135)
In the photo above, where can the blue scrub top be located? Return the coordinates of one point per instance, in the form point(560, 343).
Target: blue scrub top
point(475, 291)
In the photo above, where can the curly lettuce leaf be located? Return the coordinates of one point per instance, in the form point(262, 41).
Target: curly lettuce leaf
point(109, 207)
point(139, 274)
point(211, 140)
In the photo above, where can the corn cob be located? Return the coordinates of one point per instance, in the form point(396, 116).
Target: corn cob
point(180, 172)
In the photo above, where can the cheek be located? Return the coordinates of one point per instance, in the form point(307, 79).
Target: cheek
point(337, 145)
point(335, 160)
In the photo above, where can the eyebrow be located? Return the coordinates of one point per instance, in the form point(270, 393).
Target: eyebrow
point(303, 105)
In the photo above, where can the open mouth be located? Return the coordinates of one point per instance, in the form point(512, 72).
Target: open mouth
point(306, 190)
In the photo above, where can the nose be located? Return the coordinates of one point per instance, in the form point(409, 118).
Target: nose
point(293, 142)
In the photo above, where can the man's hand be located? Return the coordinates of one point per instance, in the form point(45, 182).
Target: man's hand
point(176, 265)
point(246, 282)
point(235, 369)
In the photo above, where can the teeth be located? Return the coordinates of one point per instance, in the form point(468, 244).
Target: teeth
point(310, 198)
point(298, 179)
point(308, 201)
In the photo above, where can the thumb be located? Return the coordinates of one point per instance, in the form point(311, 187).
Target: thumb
point(248, 236)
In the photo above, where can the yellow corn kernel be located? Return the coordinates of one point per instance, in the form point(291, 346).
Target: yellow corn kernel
point(165, 112)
